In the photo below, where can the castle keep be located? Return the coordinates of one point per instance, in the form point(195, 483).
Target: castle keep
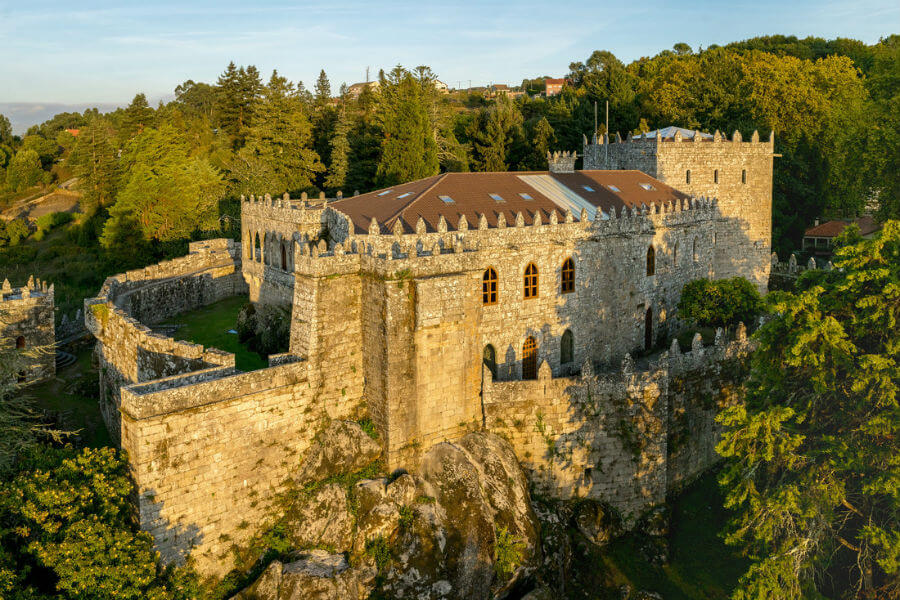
point(466, 300)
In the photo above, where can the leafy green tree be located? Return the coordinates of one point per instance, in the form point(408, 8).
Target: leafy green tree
point(237, 98)
point(196, 98)
point(137, 116)
point(408, 149)
point(542, 137)
point(6, 136)
point(813, 471)
point(497, 136)
point(277, 155)
point(93, 161)
point(16, 231)
point(24, 170)
point(340, 151)
point(67, 528)
point(170, 192)
point(719, 302)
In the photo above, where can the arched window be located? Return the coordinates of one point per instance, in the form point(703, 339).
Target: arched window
point(567, 348)
point(651, 261)
point(716, 176)
point(568, 277)
point(675, 255)
point(696, 251)
point(257, 248)
point(490, 360)
point(744, 176)
point(20, 342)
point(529, 359)
point(531, 281)
point(687, 176)
point(489, 287)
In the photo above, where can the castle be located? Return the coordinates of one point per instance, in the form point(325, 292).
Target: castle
point(438, 306)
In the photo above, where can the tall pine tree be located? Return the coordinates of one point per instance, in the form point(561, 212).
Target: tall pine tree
point(409, 149)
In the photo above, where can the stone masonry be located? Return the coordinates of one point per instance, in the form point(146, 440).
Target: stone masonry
point(27, 325)
point(392, 324)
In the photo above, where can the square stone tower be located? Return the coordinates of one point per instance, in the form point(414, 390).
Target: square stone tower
point(27, 324)
point(736, 173)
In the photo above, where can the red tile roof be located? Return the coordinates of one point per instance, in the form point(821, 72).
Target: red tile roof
point(831, 229)
point(526, 192)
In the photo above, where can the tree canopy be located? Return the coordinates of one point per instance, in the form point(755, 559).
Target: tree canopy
point(813, 470)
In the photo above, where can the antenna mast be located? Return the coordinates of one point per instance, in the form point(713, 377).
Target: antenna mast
point(606, 145)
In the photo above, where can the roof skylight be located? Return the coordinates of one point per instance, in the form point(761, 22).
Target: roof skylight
point(404, 195)
point(497, 197)
point(384, 193)
point(588, 188)
point(446, 199)
point(525, 196)
point(647, 187)
point(613, 188)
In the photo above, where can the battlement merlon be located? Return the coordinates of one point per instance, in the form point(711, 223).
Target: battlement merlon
point(33, 288)
point(386, 253)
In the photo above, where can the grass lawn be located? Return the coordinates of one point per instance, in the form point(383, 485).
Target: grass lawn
point(72, 395)
point(209, 326)
point(700, 565)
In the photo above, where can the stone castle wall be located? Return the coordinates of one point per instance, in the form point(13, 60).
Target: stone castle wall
point(27, 324)
point(737, 173)
point(424, 326)
point(128, 350)
point(627, 437)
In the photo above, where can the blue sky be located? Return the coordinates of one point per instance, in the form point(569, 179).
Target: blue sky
point(105, 52)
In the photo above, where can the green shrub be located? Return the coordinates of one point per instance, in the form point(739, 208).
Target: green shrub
point(16, 231)
point(50, 220)
point(719, 303)
point(509, 550)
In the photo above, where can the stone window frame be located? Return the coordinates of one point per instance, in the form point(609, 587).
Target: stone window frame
point(257, 248)
point(744, 176)
point(716, 176)
point(567, 347)
point(490, 288)
point(696, 251)
point(567, 277)
point(687, 177)
point(21, 344)
point(651, 261)
point(530, 286)
point(529, 358)
point(675, 256)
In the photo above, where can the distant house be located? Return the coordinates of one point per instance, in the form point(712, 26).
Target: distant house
point(441, 86)
point(819, 238)
point(554, 86)
point(498, 89)
point(73, 132)
point(356, 89)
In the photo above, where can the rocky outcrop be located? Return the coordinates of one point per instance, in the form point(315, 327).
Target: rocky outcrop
point(316, 575)
point(323, 520)
point(342, 448)
point(476, 502)
point(463, 528)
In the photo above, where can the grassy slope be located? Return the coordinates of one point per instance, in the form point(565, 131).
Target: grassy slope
point(209, 326)
point(701, 566)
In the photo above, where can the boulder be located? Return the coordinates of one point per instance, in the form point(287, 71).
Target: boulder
point(265, 587)
point(323, 519)
point(343, 447)
point(403, 489)
point(473, 488)
point(382, 520)
point(595, 521)
point(316, 575)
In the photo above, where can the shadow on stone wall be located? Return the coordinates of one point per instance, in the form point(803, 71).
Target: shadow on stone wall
point(174, 541)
